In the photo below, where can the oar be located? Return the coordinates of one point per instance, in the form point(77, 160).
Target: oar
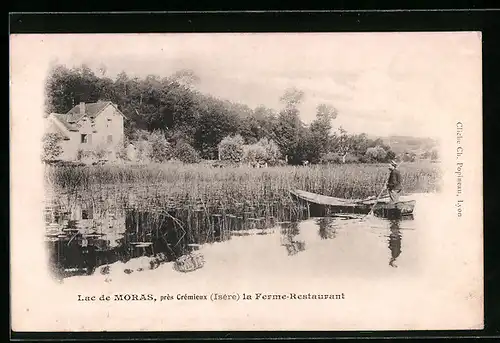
point(348, 222)
point(358, 201)
point(375, 203)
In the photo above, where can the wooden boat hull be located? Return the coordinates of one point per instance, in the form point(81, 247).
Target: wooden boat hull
point(321, 205)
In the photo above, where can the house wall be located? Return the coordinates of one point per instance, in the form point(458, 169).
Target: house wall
point(108, 123)
point(69, 147)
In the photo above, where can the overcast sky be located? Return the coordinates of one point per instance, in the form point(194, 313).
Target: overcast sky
point(381, 83)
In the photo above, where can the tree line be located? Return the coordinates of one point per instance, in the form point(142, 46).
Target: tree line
point(172, 117)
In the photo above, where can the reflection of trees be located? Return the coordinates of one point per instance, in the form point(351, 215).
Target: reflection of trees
point(394, 242)
point(327, 229)
point(288, 232)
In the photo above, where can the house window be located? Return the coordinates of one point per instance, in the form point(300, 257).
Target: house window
point(87, 214)
point(86, 138)
point(108, 123)
point(110, 138)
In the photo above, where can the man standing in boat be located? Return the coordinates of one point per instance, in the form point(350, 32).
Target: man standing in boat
point(394, 182)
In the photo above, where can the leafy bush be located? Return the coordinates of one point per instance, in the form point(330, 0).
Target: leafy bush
point(231, 148)
point(272, 151)
point(121, 150)
point(262, 151)
point(253, 153)
point(184, 152)
point(376, 154)
point(88, 156)
point(51, 146)
point(408, 157)
point(330, 158)
point(79, 155)
point(101, 152)
point(143, 149)
point(160, 148)
point(352, 159)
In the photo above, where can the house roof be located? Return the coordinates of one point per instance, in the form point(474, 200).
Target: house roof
point(91, 110)
point(62, 118)
point(55, 123)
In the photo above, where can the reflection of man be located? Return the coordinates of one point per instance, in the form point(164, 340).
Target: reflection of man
point(394, 242)
point(394, 182)
point(326, 228)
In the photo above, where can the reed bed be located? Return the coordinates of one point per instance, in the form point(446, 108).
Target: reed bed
point(174, 206)
point(201, 184)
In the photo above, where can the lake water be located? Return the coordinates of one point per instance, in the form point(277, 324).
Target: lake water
point(390, 272)
point(91, 239)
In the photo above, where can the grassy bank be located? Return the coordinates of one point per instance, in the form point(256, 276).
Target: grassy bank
point(199, 182)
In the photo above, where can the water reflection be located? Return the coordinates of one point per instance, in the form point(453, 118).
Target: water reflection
point(82, 236)
point(78, 246)
point(394, 242)
point(327, 227)
point(87, 237)
point(289, 231)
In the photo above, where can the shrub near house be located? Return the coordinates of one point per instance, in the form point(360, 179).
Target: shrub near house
point(51, 146)
point(92, 130)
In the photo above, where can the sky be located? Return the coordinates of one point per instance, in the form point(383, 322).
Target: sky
point(381, 83)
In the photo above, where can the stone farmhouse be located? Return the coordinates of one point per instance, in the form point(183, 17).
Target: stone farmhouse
point(88, 127)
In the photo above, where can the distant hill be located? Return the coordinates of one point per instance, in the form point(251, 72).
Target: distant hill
point(402, 144)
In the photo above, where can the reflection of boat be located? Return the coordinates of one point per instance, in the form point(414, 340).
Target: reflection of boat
point(322, 204)
point(292, 246)
point(288, 232)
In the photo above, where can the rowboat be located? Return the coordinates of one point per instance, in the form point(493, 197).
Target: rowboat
point(322, 205)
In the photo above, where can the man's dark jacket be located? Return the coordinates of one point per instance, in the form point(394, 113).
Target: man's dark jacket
point(394, 182)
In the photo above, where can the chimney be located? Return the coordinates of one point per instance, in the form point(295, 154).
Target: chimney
point(82, 107)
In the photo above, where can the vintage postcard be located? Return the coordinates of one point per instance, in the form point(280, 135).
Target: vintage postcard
point(277, 181)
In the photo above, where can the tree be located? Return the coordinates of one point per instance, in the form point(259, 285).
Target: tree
point(289, 131)
point(51, 146)
point(186, 77)
point(326, 113)
point(257, 124)
point(320, 139)
point(106, 89)
point(192, 121)
point(292, 97)
point(58, 97)
point(67, 87)
point(214, 124)
point(344, 144)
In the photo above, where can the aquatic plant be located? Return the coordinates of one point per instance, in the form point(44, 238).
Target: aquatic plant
point(196, 183)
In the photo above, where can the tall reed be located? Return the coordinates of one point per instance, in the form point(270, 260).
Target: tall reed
point(202, 184)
